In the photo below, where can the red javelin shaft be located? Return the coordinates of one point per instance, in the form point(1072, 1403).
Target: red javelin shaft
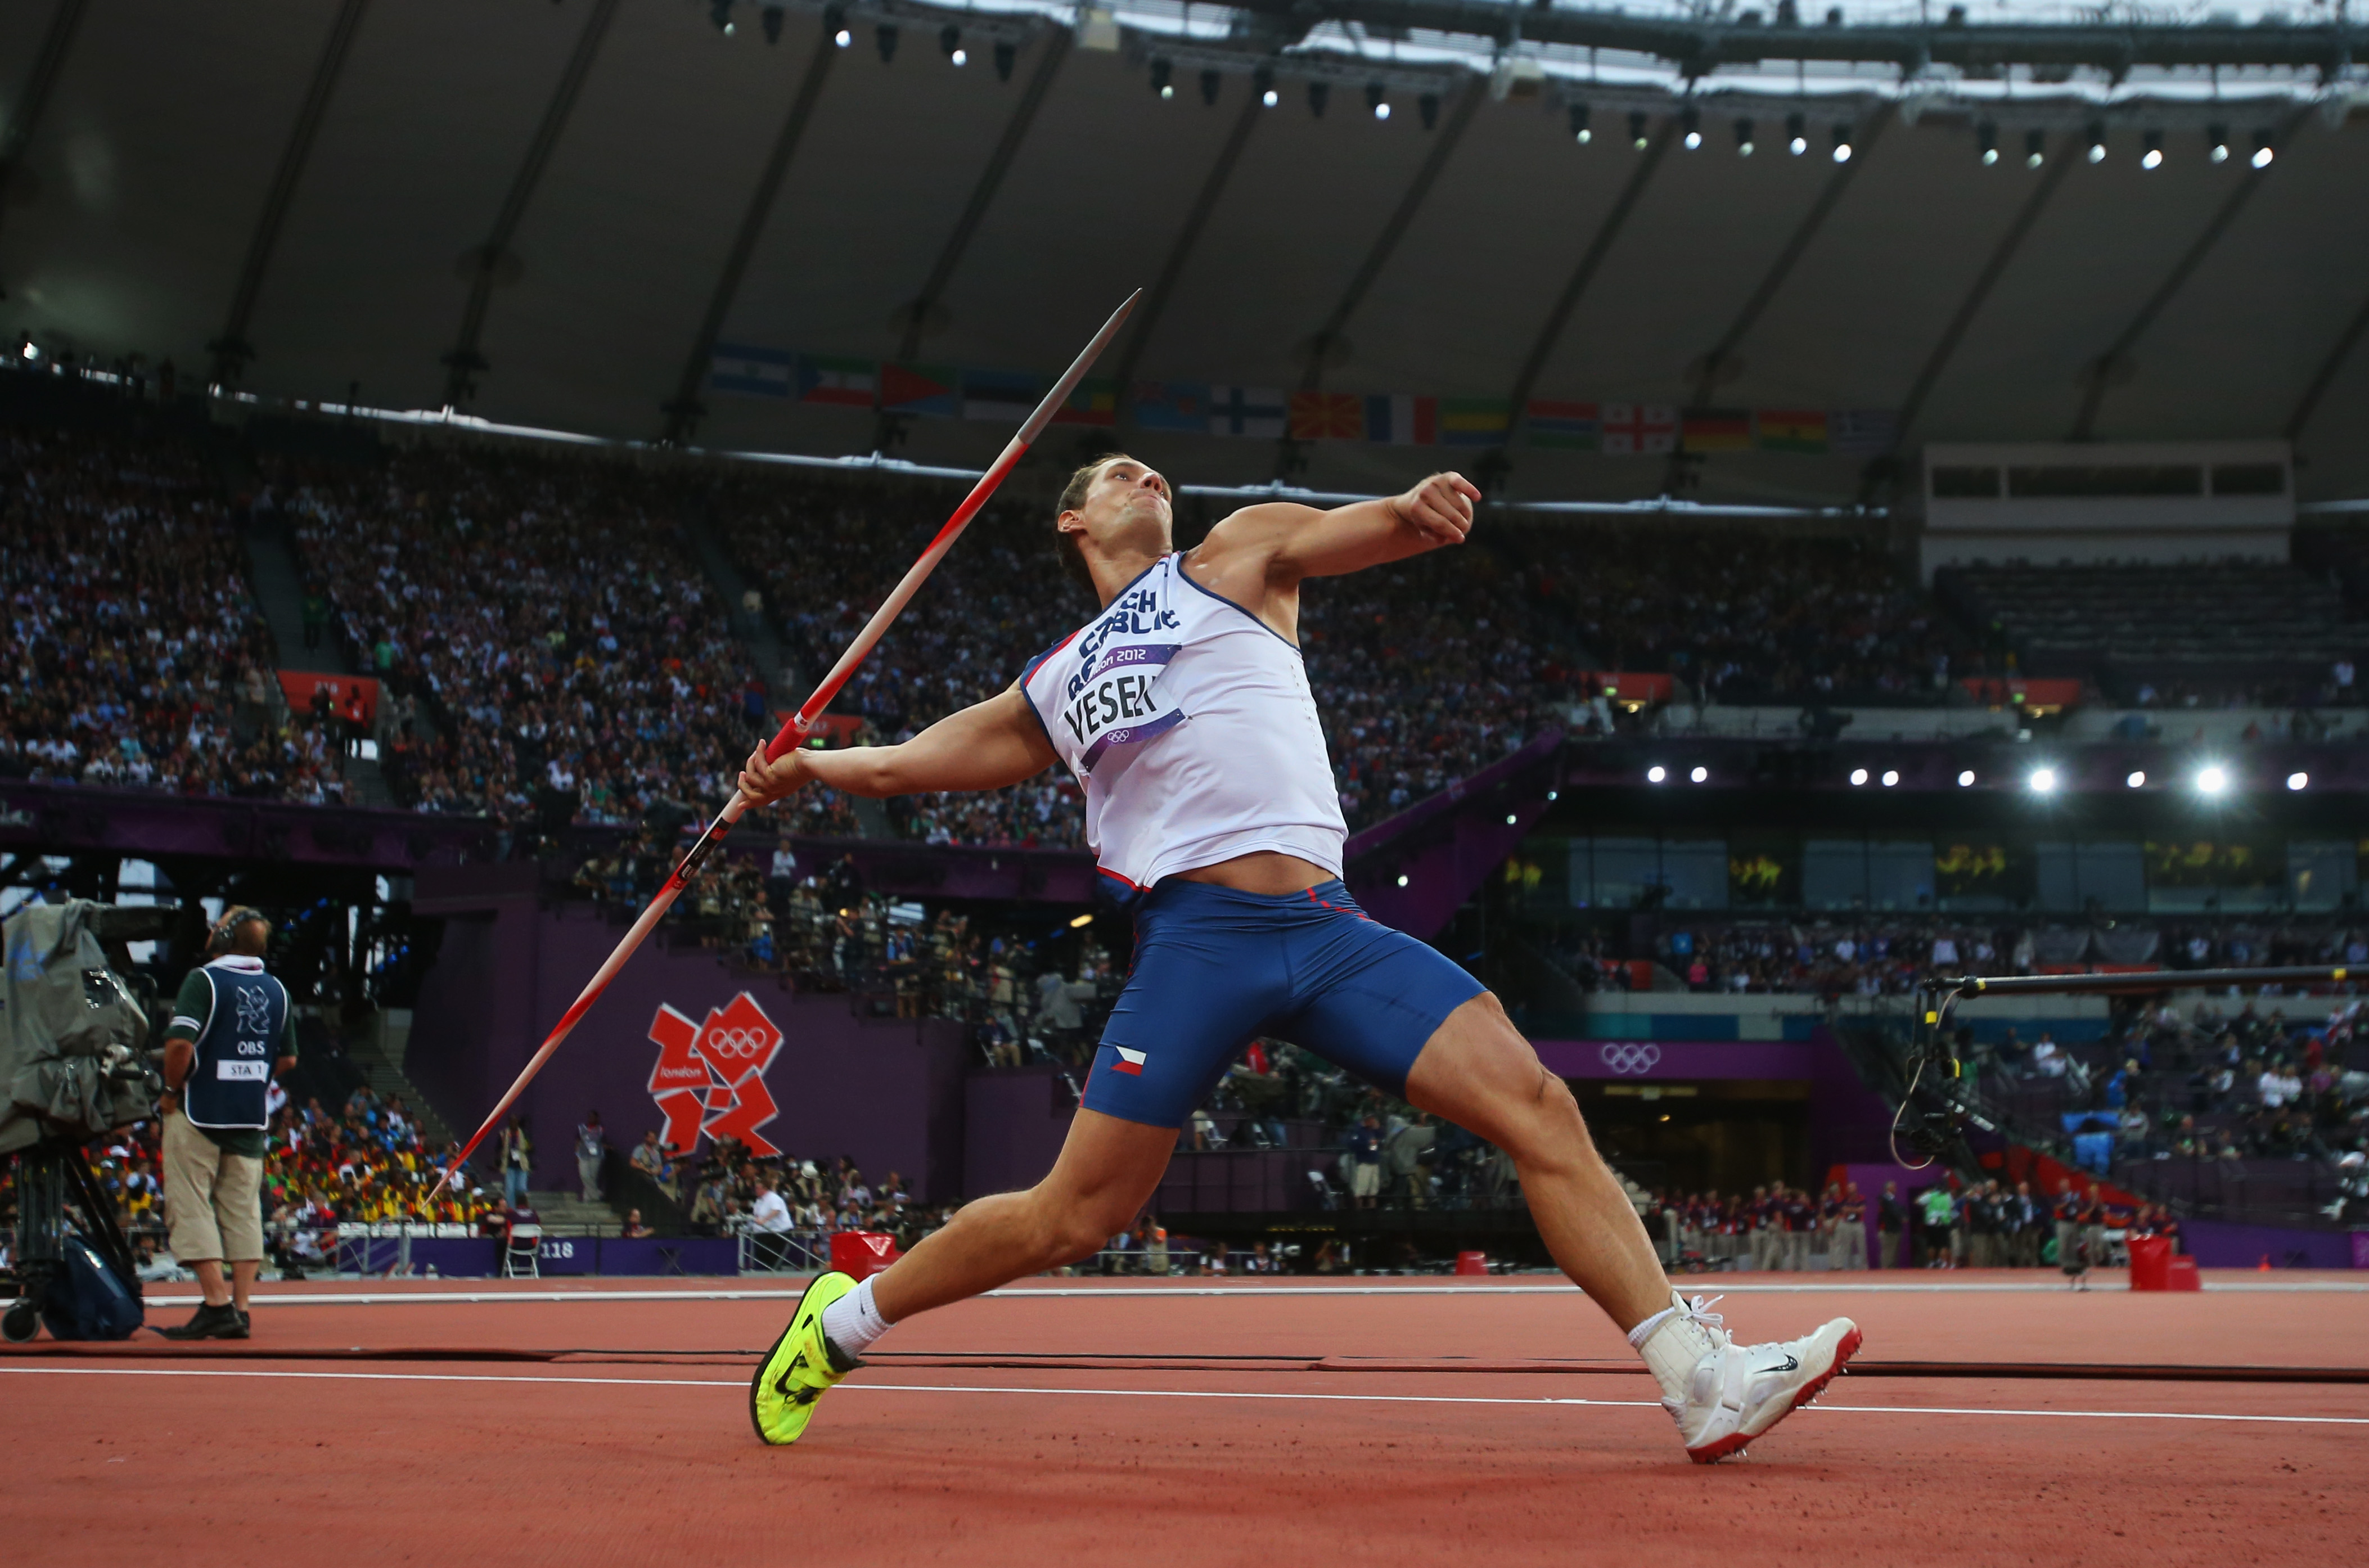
point(801, 723)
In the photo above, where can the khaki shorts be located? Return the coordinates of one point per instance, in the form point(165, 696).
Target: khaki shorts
point(1365, 1178)
point(213, 1200)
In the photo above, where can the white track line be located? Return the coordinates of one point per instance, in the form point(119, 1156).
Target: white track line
point(1165, 1393)
point(1692, 1283)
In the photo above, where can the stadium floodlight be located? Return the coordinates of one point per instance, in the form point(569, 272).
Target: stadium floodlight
point(884, 35)
point(1859, 775)
point(1579, 130)
point(1428, 106)
point(1319, 95)
point(1700, 775)
point(2298, 781)
point(1007, 55)
point(1843, 143)
point(1987, 137)
point(1263, 84)
point(28, 351)
point(1162, 75)
point(1270, 98)
point(842, 38)
point(1376, 100)
point(1966, 778)
point(2213, 778)
point(1639, 125)
point(950, 45)
point(2216, 143)
point(1891, 777)
point(2152, 158)
point(1656, 773)
point(2042, 780)
point(1402, 881)
point(1210, 83)
point(1509, 818)
point(2263, 151)
point(2097, 134)
point(1691, 120)
point(1744, 138)
point(2137, 779)
point(1797, 140)
point(2036, 148)
point(1554, 794)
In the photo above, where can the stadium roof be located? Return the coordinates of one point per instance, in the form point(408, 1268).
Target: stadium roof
point(550, 213)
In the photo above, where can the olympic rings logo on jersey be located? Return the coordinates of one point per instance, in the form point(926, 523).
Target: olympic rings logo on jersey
point(1630, 1059)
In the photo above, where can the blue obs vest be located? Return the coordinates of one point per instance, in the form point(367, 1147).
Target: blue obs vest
point(227, 1086)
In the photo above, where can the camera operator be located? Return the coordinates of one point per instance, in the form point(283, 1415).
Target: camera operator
point(230, 1023)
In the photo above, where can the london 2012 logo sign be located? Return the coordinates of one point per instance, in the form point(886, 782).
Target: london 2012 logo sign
point(710, 1077)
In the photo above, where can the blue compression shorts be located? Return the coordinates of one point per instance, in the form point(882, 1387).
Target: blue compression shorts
point(1215, 968)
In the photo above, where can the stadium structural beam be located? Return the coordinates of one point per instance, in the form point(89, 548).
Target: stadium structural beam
point(25, 114)
point(1180, 250)
point(1720, 354)
point(2103, 371)
point(1378, 255)
point(232, 350)
point(1518, 399)
point(464, 361)
point(1962, 319)
point(982, 195)
point(683, 413)
point(2325, 377)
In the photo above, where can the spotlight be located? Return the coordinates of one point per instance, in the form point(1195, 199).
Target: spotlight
point(884, 35)
point(2153, 157)
point(961, 57)
point(1859, 775)
point(842, 38)
point(1797, 141)
point(1162, 81)
point(1638, 125)
point(1082, 922)
point(1007, 55)
point(1579, 130)
point(1509, 820)
point(1692, 121)
point(2036, 148)
point(1208, 86)
point(2263, 153)
point(1987, 137)
point(1744, 138)
point(1263, 84)
point(2097, 141)
point(29, 351)
point(2213, 780)
point(2137, 779)
point(1554, 794)
point(2216, 143)
point(1891, 777)
point(1270, 98)
point(1402, 879)
point(1700, 775)
point(1656, 773)
point(2044, 781)
point(1842, 144)
point(1966, 779)
point(950, 44)
point(1378, 105)
point(2298, 781)
point(1319, 95)
point(771, 19)
point(1428, 106)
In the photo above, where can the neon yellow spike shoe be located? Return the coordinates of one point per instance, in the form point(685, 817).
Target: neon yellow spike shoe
point(801, 1366)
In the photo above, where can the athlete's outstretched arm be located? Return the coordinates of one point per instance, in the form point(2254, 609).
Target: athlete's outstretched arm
point(986, 746)
point(1302, 541)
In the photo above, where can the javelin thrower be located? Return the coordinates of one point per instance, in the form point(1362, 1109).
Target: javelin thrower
point(1183, 710)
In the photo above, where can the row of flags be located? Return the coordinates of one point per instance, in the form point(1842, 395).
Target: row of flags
point(1633, 429)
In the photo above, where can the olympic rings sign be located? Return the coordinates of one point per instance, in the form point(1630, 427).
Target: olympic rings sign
point(1629, 1059)
point(744, 1044)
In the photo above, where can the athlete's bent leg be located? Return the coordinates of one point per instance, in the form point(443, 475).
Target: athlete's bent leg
point(1107, 1173)
point(1479, 1072)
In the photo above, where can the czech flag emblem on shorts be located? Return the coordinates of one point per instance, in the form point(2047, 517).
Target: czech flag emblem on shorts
point(1129, 1062)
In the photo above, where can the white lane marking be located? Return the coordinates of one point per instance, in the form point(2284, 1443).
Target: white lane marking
point(1706, 1282)
point(1164, 1393)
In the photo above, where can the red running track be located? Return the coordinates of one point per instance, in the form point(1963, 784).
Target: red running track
point(254, 1461)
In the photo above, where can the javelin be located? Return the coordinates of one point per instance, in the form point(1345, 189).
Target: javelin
point(802, 722)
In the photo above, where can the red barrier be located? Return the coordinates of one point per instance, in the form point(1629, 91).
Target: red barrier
point(862, 1253)
point(2150, 1262)
point(1472, 1262)
point(2179, 1274)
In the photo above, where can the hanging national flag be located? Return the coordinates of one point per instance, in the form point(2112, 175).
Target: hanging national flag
point(1862, 432)
point(1791, 429)
point(920, 389)
point(1171, 405)
point(1002, 395)
point(850, 383)
point(760, 373)
point(1245, 411)
point(1550, 422)
point(1398, 419)
point(1717, 429)
point(1639, 430)
point(1094, 403)
point(1326, 417)
point(1473, 421)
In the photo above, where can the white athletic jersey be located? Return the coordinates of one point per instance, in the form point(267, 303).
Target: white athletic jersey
point(1189, 723)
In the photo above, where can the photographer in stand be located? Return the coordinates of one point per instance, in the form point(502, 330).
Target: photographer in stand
point(232, 1033)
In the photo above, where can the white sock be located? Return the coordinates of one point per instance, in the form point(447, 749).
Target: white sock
point(854, 1322)
point(1673, 1344)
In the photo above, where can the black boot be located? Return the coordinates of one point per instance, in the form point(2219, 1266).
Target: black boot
point(211, 1323)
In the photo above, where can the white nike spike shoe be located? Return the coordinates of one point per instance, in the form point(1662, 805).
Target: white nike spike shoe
point(1738, 1392)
